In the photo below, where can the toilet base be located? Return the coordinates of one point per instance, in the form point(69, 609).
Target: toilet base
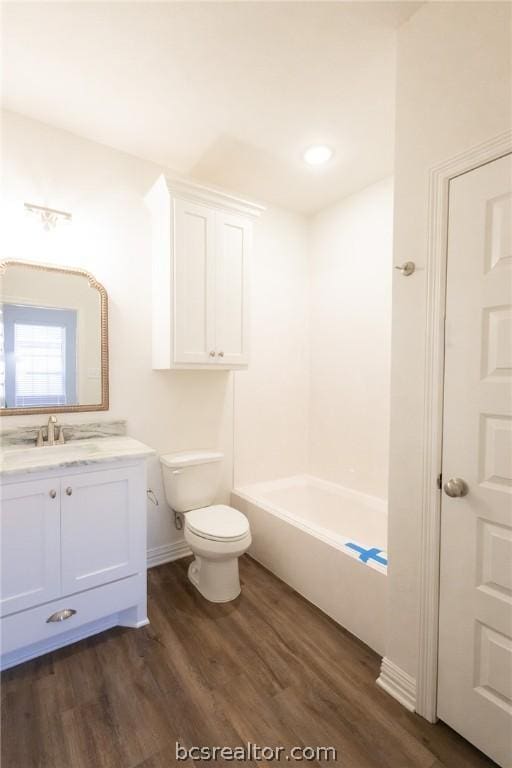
point(217, 580)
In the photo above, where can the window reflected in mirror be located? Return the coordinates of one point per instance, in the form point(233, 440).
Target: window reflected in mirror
point(53, 352)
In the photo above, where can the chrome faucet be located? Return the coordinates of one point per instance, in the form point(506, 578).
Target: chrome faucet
point(52, 421)
point(52, 424)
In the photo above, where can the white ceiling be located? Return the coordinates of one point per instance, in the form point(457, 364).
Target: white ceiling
point(229, 93)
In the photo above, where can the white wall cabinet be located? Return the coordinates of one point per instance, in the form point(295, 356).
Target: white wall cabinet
point(71, 540)
point(201, 256)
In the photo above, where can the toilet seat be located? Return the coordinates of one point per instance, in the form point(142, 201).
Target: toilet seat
point(217, 523)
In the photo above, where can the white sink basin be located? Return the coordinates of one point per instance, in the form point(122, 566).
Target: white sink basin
point(76, 452)
point(48, 454)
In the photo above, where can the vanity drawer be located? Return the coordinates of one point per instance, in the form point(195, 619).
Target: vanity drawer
point(31, 626)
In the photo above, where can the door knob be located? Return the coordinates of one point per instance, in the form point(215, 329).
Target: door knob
point(69, 490)
point(53, 494)
point(212, 353)
point(456, 487)
point(221, 353)
point(407, 269)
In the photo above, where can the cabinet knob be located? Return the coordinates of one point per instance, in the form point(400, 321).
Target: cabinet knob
point(66, 613)
point(53, 494)
point(221, 353)
point(69, 490)
point(212, 353)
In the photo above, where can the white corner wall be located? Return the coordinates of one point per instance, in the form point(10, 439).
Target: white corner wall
point(453, 92)
point(315, 398)
point(350, 268)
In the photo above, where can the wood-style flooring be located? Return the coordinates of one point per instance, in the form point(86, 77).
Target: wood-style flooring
point(268, 668)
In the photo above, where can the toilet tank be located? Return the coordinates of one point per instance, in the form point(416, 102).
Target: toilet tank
point(191, 478)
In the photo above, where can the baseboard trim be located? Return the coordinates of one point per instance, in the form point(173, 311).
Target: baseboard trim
point(400, 685)
point(166, 553)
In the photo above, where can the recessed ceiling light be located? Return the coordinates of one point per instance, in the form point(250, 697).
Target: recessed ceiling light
point(318, 154)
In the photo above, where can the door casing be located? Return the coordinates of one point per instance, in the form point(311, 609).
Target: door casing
point(430, 515)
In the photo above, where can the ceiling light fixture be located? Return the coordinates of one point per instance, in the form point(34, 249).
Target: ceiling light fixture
point(318, 154)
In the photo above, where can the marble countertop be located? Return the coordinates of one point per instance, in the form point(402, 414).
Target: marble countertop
point(76, 453)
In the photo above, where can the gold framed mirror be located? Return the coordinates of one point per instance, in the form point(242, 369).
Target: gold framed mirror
point(53, 340)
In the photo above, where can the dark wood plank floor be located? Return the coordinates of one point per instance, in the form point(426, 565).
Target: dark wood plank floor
point(268, 668)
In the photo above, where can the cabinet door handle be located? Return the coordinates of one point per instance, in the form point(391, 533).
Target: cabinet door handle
point(212, 353)
point(53, 494)
point(66, 613)
point(221, 353)
point(69, 490)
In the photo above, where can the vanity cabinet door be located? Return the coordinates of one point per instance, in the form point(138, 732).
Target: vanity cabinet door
point(102, 528)
point(233, 235)
point(30, 544)
point(194, 288)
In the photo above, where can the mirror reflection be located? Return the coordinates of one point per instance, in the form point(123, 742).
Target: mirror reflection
point(50, 339)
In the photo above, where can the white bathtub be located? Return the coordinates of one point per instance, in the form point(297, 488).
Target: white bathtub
point(328, 543)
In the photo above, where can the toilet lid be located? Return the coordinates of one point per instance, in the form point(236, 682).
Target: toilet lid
point(218, 523)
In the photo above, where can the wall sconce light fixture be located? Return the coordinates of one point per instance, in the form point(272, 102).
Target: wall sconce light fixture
point(49, 216)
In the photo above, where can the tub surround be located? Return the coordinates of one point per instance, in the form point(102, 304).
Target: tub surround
point(353, 521)
point(328, 543)
point(27, 434)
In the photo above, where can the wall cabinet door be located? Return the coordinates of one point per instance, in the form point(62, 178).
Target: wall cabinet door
point(30, 544)
point(194, 283)
point(201, 241)
point(232, 289)
point(101, 519)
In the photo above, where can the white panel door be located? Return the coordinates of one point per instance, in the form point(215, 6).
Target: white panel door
point(30, 533)
point(475, 633)
point(194, 284)
point(100, 527)
point(232, 289)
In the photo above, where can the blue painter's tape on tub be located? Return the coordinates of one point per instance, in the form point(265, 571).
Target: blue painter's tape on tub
point(367, 554)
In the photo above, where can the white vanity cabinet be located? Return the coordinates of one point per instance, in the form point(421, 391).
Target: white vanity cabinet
point(73, 546)
point(30, 545)
point(201, 248)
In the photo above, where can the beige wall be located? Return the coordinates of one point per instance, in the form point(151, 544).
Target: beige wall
point(350, 268)
point(110, 237)
point(453, 92)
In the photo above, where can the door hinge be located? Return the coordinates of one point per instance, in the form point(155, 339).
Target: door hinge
point(439, 481)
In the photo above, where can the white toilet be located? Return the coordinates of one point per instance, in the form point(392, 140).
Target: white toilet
point(217, 535)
